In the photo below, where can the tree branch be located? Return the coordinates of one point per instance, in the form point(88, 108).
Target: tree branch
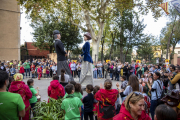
point(84, 29)
point(79, 4)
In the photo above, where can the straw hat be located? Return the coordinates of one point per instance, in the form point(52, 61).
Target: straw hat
point(18, 77)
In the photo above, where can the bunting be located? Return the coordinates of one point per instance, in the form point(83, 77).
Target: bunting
point(164, 6)
point(176, 4)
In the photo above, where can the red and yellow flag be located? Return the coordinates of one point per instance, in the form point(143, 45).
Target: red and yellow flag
point(164, 6)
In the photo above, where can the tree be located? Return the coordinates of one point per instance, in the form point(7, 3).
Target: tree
point(145, 50)
point(92, 13)
point(130, 31)
point(43, 33)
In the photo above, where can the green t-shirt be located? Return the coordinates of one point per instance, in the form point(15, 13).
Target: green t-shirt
point(71, 106)
point(10, 105)
point(27, 65)
point(76, 94)
point(34, 98)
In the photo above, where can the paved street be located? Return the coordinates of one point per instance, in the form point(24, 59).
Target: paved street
point(45, 82)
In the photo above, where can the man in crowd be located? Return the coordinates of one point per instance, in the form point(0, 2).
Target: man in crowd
point(176, 79)
point(11, 105)
point(106, 70)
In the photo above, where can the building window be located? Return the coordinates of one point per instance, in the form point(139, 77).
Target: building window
point(178, 52)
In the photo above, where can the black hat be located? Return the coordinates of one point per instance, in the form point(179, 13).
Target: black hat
point(56, 32)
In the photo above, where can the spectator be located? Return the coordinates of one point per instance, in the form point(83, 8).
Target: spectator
point(27, 68)
point(156, 91)
point(176, 78)
point(164, 112)
point(106, 68)
point(111, 71)
point(39, 71)
point(21, 70)
point(79, 69)
point(56, 90)
point(106, 98)
point(95, 72)
point(18, 86)
point(73, 69)
point(95, 104)
point(3, 68)
point(133, 85)
point(12, 70)
point(33, 70)
point(35, 92)
point(133, 108)
point(99, 66)
point(71, 105)
point(47, 71)
point(17, 70)
point(11, 104)
point(88, 103)
point(63, 78)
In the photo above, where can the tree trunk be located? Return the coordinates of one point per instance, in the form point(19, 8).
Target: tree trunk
point(95, 50)
point(121, 54)
point(102, 57)
point(168, 44)
point(112, 45)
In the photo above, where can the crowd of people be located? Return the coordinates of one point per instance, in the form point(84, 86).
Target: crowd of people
point(147, 91)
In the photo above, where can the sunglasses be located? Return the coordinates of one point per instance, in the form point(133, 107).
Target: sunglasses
point(136, 93)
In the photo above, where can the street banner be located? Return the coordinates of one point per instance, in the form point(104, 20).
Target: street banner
point(108, 61)
point(176, 4)
point(164, 6)
point(167, 62)
point(138, 61)
point(74, 61)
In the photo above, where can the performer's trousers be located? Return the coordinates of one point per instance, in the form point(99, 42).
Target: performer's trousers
point(64, 65)
point(86, 76)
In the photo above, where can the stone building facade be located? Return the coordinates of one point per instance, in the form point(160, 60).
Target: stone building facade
point(10, 30)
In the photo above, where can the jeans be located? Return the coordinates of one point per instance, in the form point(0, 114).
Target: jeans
point(95, 74)
point(88, 114)
point(117, 76)
point(82, 112)
point(23, 75)
point(153, 107)
point(105, 74)
point(32, 108)
point(111, 75)
point(79, 72)
point(100, 73)
point(47, 75)
point(27, 70)
point(32, 75)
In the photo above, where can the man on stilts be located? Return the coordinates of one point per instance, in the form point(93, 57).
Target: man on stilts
point(61, 55)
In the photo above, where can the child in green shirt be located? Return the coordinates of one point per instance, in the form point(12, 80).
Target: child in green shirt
point(71, 104)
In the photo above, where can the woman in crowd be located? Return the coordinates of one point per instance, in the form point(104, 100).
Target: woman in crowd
point(133, 85)
point(63, 78)
point(39, 71)
point(56, 90)
point(133, 108)
point(106, 99)
point(18, 86)
point(156, 91)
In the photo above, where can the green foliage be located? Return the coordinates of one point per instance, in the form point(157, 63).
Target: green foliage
point(145, 50)
point(43, 33)
point(49, 111)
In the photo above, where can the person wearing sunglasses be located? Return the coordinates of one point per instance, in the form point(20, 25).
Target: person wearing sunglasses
point(133, 108)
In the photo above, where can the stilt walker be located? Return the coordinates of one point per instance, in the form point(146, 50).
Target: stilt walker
point(61, 55)
point(86, 76)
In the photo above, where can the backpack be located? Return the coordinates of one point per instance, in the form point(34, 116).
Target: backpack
point(162, 95)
